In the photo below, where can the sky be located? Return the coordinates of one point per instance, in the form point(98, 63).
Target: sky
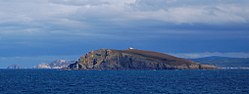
point(36, 31)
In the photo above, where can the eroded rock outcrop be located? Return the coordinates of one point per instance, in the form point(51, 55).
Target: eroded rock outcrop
point(108, 59)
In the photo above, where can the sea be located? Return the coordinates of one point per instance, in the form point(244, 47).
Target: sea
point(34, 81)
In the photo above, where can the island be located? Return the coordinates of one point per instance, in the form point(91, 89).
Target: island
point(14, 66)
point(111, 59)
point(57, 64)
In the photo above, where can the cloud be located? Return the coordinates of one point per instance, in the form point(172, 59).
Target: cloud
point(85, 14)
point(174, 11)
point(51, 22)
point(88, 3)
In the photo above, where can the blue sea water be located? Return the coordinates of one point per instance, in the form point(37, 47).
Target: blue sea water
point(124, 81)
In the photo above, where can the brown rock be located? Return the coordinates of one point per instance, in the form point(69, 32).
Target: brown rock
point(107, 59)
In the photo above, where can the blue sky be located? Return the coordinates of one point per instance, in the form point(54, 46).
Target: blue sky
point(35, 31)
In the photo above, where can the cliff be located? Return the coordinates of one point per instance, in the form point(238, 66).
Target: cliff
point(108, 59)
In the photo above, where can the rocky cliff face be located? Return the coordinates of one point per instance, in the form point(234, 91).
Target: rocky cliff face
point(107, 59)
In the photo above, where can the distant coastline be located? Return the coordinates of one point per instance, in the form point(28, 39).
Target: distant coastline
point(234, 68)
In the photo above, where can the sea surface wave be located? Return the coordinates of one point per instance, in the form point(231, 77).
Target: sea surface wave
point(31, 81)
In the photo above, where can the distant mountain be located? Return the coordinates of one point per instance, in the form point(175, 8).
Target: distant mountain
point(224, 61)
point(14, 66)
point(110, 59)
point(58, 64)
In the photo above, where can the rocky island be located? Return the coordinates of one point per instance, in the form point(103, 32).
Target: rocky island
point(14, 66)
point(58, 64)
point(110, 59)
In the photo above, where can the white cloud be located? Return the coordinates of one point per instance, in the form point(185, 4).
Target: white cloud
point(165, 10)
point(92, 15)
point(37, 11)
point(80, 2)
point(218, 14)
